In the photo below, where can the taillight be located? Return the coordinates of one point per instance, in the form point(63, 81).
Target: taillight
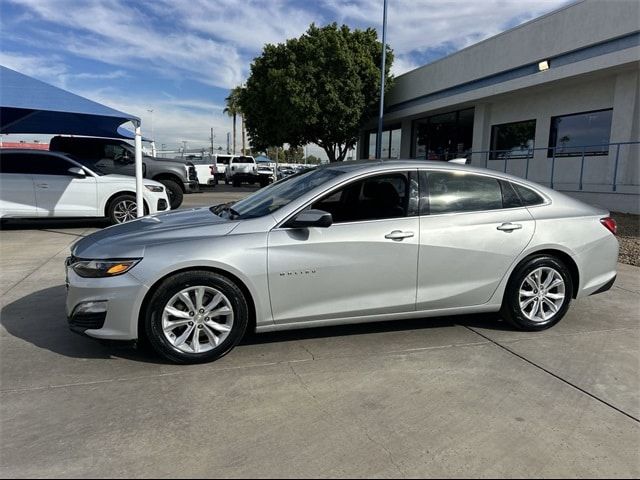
point(610, 223)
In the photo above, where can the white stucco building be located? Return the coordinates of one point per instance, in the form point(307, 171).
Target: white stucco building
point(555, 99)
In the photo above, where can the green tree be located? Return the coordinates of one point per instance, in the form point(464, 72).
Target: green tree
point(313, 160)
point(319, 88)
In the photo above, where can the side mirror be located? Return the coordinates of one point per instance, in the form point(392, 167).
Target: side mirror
point(311, 218)
point(77, 172)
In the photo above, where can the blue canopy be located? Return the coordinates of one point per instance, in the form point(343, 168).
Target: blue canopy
point(31, 106)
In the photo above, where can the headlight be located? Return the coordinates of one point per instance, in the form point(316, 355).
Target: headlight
point(103, 268)
point(154, 188)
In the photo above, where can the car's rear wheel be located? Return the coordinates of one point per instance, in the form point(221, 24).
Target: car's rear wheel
point(174, 193)
point(236, 182)
point(538, 294)
point(196, 317)
point(123, 208)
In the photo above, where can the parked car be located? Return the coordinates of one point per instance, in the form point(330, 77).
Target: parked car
point(243, 169)
point(343, 243)
point(117, 156)
point(266, 174)
point(40, 184)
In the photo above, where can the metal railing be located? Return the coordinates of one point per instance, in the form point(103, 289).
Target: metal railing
point(558, 158)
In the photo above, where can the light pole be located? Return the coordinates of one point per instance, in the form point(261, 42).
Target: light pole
point(382, 77)
point(150, 110)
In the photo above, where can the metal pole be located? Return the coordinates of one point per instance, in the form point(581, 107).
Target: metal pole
point(139, 186)
point(382, 77)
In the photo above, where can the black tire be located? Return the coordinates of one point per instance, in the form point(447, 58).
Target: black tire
point(511, 310)
point(174, 192)
point(113, 204)
point(236, 182)
point(170, 287)
point(264, 183)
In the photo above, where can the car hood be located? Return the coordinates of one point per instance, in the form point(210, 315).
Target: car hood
point(129, 240)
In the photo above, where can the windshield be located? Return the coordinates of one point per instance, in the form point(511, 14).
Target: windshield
point(283, 192)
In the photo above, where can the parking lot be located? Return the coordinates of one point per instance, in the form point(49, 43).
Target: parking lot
point(445, 397)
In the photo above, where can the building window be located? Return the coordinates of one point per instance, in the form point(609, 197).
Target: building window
point(513, 140)
point(574, 134)
point(444, 136)
point(390, 147)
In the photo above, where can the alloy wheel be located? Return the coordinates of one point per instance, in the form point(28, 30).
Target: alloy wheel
point(541, 294)
point(125, 210)
point(197, 319)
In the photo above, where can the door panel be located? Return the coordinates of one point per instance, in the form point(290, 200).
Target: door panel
point(66, 196)
point(345, 270)
point(17, 195)
point(463, 257)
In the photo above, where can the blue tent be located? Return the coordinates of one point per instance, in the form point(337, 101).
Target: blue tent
point(28, 105)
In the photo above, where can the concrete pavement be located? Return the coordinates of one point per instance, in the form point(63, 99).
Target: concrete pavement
point(446, 397)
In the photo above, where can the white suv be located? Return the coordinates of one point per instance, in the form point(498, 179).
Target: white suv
point(39, 184)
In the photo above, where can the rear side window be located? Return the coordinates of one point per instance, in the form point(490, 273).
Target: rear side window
point(528, 196)
point(452, 192)
point(223, 160)
point(15, 163)
point(510, 198)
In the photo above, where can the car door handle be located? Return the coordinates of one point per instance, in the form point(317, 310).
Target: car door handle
point(398, 235)
point(509, 227)
point(42, 185)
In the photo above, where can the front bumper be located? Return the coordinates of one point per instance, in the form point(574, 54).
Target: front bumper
point(191, 186)
point(122, 297)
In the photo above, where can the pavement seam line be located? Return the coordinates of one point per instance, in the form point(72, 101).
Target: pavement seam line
point(549, 372)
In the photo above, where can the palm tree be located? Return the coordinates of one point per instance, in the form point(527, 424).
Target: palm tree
point(233, 110)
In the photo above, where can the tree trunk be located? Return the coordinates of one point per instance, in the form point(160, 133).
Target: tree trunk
point(234, 133)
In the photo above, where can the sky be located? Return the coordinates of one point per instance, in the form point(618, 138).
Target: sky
point(179, 58)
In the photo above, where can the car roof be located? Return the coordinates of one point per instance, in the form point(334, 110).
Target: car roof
point(32, 151)
point(366, 166)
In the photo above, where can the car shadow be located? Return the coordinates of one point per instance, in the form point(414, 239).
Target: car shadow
point(39, 319)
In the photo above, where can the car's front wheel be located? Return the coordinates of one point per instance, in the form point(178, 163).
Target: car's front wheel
point(123, 208)
point(538, 294)
point(174, 193)
point(195, 317)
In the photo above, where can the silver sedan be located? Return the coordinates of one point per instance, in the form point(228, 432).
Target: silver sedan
point(345, 243)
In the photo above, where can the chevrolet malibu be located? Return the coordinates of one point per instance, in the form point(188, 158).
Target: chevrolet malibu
point(344, 243)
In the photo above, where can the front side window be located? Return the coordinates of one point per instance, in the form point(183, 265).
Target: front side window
point(117, 153)
point(50, 165)
point(452, 192)
point(389, 195)
point(588, 133)
point(513, 140)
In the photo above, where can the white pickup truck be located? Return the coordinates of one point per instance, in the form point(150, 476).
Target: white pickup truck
point(243, 169)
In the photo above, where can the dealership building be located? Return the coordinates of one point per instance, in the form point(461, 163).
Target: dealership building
point(555, 100)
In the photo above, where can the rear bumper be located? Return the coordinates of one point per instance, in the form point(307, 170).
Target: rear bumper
point(606, 287)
